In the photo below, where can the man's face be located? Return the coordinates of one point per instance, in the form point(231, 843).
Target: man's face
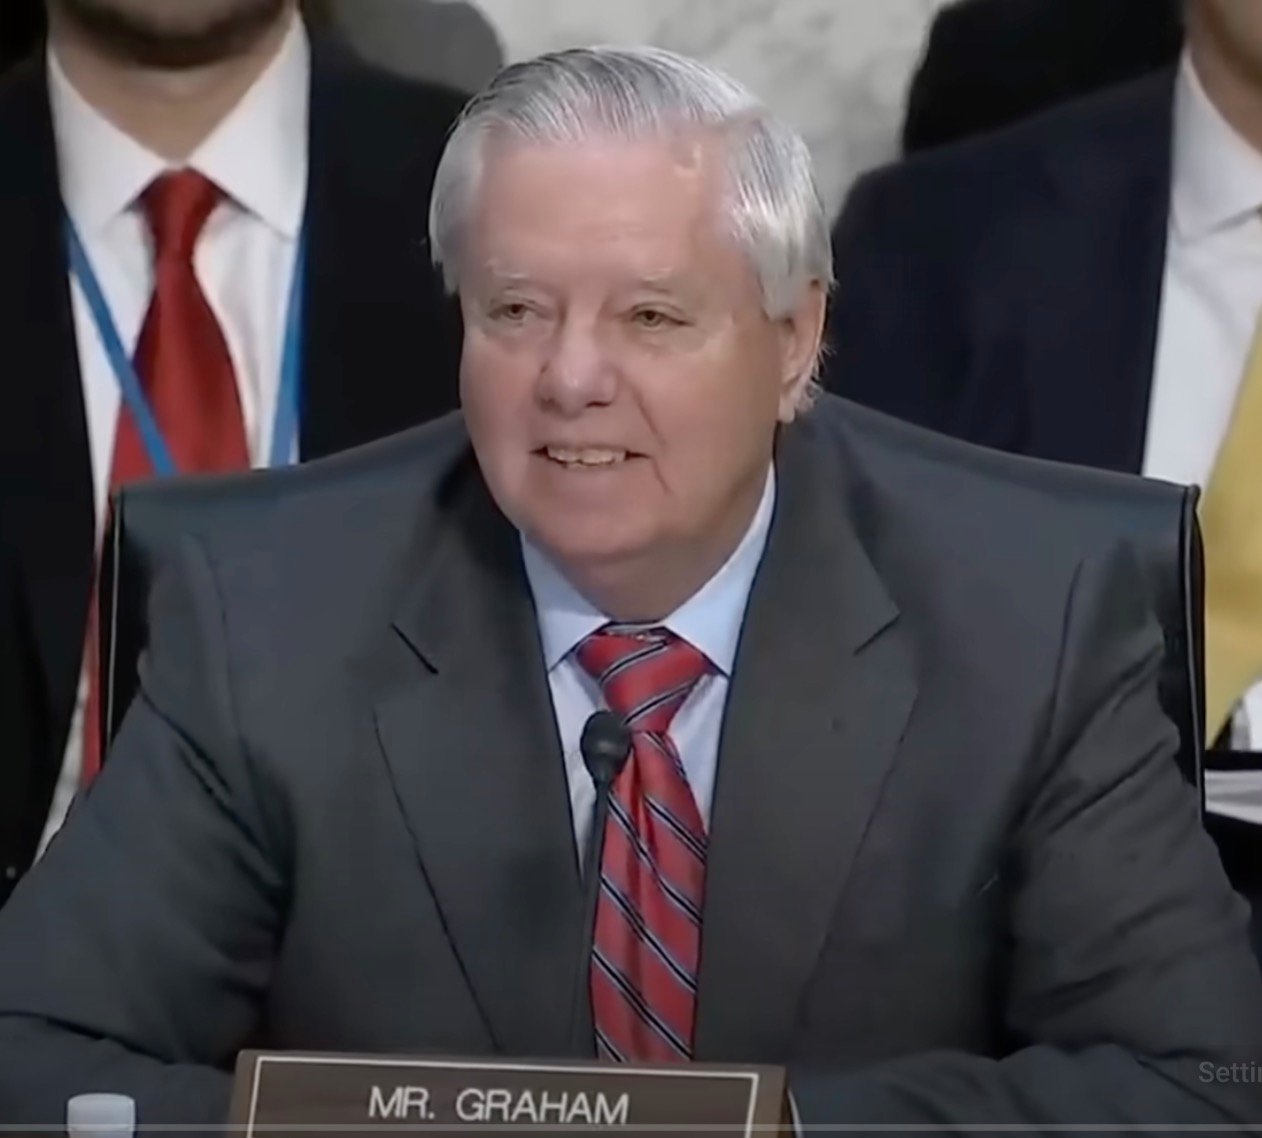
point(173, 33)
point(621, 382)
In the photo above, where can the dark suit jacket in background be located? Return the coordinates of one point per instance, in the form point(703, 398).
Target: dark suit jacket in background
point(1007, 290)
point(954, 873)
point(991, 63)
point(22, 28)
point(381, 352)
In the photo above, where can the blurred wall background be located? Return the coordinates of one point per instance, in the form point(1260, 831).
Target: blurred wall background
point(837, 69)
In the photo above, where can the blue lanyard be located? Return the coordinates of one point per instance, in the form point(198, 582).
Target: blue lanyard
point(285, 424)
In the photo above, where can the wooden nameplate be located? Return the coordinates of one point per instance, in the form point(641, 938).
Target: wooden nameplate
point(340, 1096)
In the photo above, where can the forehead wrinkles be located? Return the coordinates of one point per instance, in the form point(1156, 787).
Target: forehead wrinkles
point(597, 187)
point(696, 154)
point(525, 255)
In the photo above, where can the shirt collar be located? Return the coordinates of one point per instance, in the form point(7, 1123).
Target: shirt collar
point(1217, 173)
point(104, 170)
point(710, 620)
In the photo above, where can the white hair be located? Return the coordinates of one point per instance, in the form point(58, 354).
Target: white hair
point(774, 207)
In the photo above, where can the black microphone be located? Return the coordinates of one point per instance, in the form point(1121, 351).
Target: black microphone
point(605, 744)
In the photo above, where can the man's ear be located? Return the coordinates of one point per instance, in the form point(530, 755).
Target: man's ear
point(801, 339)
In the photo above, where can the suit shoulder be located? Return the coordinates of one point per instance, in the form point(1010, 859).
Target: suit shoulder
point(991, 509)
point(405, 99)
point(300, 565)
point(976, 23)
point(384, 108)
point(293, 512)
point(24, 112)
point(1009, 168)
point(1002, 34)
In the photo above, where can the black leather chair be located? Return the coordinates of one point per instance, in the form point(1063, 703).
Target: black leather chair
point(1159, 520)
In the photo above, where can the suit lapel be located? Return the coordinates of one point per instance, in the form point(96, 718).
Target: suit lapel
point(381, 341)
point(47, 479)
point(468, 732)
point(1093, 328)
point(822, 688)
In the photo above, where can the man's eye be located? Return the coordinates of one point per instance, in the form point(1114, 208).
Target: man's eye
point(653, 319)
point(514, 312)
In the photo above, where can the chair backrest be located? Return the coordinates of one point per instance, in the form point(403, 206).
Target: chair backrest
point(1158, 519)
point(145, 526)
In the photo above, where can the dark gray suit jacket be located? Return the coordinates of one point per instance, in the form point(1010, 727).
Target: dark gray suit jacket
point(955, 875)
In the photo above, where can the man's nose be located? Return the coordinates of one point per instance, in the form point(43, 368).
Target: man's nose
point(578, 372)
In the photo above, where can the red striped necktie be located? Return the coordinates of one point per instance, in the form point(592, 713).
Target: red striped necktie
point(647, 941)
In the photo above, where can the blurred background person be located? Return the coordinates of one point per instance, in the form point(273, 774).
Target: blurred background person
point(990, 63)
point(215, 258)
point(24, 26)
point(1087, 287)
point(446, 41)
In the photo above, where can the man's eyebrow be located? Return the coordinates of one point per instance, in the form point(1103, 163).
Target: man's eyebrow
point(505, 275)
point(666, 281)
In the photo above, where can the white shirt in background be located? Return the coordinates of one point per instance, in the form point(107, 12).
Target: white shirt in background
point(1211, 302)
point(244, 261)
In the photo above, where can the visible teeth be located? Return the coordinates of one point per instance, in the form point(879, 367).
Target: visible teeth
point(586, 456)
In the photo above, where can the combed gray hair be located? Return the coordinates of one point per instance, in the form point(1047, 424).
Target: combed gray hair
point(566, 96)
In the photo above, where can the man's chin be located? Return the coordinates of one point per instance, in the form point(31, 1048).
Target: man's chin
point(583, 554)
point(592, 549)
point(175, 39)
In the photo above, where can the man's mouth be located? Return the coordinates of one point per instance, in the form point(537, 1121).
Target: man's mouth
point(581, 458)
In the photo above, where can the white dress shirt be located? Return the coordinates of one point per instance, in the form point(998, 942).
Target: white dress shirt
point(1211, 302)
point(710, 621)
point(244, 259)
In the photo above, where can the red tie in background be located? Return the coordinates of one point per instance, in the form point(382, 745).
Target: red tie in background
point(647, 941)
point(186, 374)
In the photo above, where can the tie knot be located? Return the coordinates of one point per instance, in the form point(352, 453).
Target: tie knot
point(645, 674)
point(178, 206)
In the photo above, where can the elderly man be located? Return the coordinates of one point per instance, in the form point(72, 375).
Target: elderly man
point(900, 810)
